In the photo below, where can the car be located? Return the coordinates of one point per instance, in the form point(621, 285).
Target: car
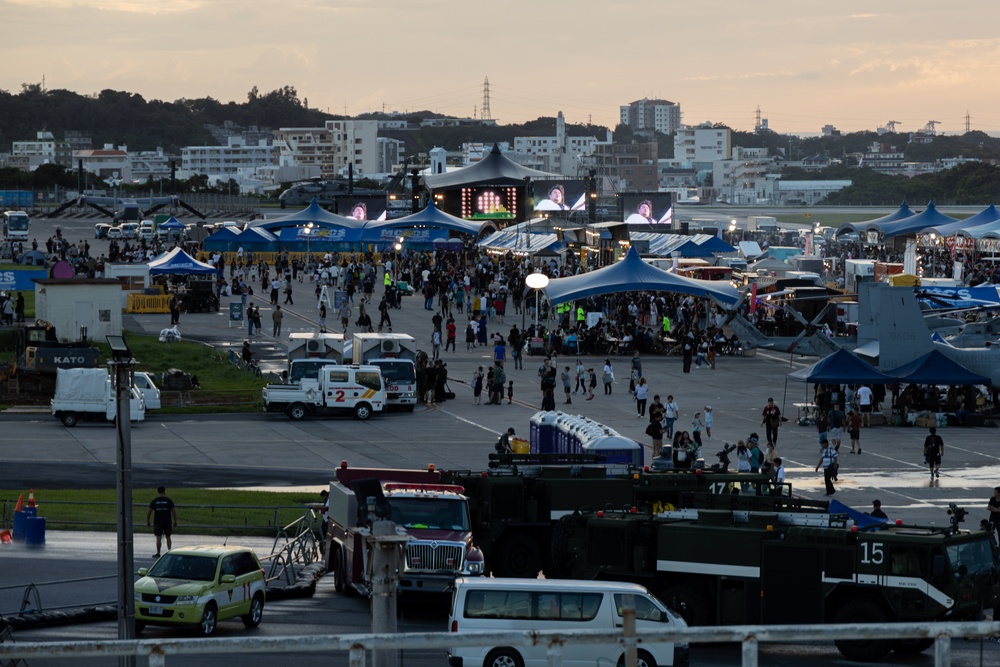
point(130, 230)
point(200, 586)
point(101, 230)
point(114, 233)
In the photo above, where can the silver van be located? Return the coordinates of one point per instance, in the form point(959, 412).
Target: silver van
point(501, 605)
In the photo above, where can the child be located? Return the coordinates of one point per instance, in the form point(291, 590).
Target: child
point(708, 420)
point(510, 392)
point(696, 425)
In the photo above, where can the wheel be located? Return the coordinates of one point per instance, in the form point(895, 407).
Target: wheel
point(296, 411)
point(866, 612)
point(339, 578)
point(139, 627)
point(518, 556)
point(208, 620)
point(503, 657)
point(643, 659)
point(362, 411)
point(689, 603)
point(912, 646)
point(252, 620)
point(558, 566)
point(68, 419)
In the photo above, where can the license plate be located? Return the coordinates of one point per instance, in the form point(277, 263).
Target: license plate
point(155, 611)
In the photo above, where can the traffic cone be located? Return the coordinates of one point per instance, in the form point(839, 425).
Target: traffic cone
point(31, 497)
point(5, 537)
point(20, 503)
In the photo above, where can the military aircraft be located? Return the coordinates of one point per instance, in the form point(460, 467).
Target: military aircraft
point(121, 209)
point(902, 335)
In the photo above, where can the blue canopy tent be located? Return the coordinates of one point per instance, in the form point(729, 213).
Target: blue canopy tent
point(929, 217)
point(987, 223)
point(984, 217)
point(877, 224)
point(692, 249)
point(255, 238)
point(176, 262)
point(172, 224)
point(841, 367)
point(313, 213)
point(632, 274)
point(221, 240)
point(716, 245)
point(935, 368)
point(320, 239)
point(431, 216)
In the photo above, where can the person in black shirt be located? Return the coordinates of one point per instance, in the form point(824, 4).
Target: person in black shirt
point(162, 510)
point(994, 508)
point(877, 510)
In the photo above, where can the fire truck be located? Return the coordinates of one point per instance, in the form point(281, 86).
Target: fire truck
point(435, 517)
point(731, 567)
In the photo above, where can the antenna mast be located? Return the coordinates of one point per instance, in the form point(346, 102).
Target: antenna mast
point(485, 111)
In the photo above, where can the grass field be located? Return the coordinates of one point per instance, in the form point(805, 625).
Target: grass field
point(199, 511)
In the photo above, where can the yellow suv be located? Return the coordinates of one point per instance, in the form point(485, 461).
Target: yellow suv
point(200, 586)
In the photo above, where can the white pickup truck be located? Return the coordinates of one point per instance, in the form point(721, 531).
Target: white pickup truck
point(359, 389)
point(87, 393)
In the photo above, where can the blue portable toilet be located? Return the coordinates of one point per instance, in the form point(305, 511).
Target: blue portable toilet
point(543, 432)
point(618, 450)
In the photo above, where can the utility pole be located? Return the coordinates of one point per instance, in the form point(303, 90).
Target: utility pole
point(386, 545)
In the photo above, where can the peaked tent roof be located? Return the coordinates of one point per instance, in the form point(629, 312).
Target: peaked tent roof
point(313, 213)
point(224, 235)
point(929, 217)
point(176, 262)
point(715, 244)
point(935, 368)
point(430, 216)
point(987, 222)
point(494, 169)
point(172, 223)
point(841, 367)
point(984, 217)
point(901, 213)
point(630, 274)
point(252, 236)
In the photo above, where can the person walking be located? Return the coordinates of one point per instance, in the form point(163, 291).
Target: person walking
point(854, 422)
point(671, 411)
point(865, 398)
point(933, 451)
point(383, 309)
point(567, 383)
point(452, 334)
point(835, 419)
point(592, 383)
point(771, 420)
point(345, 314)
point(687, 352)
point(581, 378)
point(641, 395)
point(276, 318)
point(828, 461)
point(608, 377)
point(709, 420)
point(162, 510)
point(322, 317)
point(477, 386)
point(436, 344)
point(288, 293)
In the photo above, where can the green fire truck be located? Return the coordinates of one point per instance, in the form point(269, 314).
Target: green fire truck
point(735, 567)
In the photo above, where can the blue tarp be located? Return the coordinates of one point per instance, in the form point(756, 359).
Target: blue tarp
point(715, 244)
point(861, 520)
point(178, 263)
point(632, 274)
point(841, 367)
point(255, 238)
point(935, 368)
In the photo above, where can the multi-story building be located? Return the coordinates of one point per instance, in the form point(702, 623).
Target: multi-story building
point(226, 161)
point(651, 115)
point(883, 158)
point(742, 179)
point(559, 154)
point(625, 167)
point(332, 148)
point(45, 149)
point(698, 146)
point(107, 162)
point(150, 165)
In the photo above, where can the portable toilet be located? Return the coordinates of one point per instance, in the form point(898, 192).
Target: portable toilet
point(618, 450)
point(543, 432)
point(589, 430)
point(563, 424)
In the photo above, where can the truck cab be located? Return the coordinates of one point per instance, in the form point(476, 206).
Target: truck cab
point(357, 389)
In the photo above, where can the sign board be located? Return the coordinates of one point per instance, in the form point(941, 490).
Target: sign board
point(21, 280)
point(593, 319)
point(235, 311)
point(339, 297)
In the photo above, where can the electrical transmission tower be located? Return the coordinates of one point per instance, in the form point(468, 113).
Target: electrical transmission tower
point(485, 112)
point(968, 122)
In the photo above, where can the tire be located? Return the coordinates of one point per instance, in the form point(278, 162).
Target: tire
point(558, 566)
point(296, 411)
point(503, 657)
point(362, 411)
point(518, 556)
point(870, 613)
point(688, 602)
point(643, 659)
point(252, 620)
point(409, 408)
point(209, 619)
point(68, 419)
point(339, 575)
point(912, 646)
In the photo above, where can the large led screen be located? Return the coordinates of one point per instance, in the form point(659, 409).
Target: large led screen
point(366, 207)
point(568, 196)
point(647, 208)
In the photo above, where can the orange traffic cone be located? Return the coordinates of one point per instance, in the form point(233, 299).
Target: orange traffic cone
point(31, 497)
point(5, 537)
point(20, 503)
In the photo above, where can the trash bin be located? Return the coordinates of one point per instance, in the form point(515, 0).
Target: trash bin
point(519, 446)
point(35, 534)
point(21, 522)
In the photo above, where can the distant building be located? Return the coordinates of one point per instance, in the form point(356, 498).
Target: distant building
point(148, 165)
point(651, 115)
point(45, 149)
point(743, 179)
point(631, 167)
point(830, 131)
point(559, 154)
point(698, 146)
point(332, 148)
point(783, 192)
point(883, 158)
point(226, 161)
point(107, 162)
point(458, 122)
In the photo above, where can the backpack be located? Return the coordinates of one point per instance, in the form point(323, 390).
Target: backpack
point(501, 377)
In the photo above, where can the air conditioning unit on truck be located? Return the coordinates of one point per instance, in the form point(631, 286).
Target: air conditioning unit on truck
point(516, 504)
point(395, 355)
point(435, 516)
point(718, 567)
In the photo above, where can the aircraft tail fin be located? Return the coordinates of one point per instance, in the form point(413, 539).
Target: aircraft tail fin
point(903, 333)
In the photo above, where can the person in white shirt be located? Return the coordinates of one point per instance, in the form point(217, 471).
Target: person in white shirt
point(779, 471)
point(865, 398)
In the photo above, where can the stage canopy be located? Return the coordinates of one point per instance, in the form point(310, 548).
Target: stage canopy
point(254, 238)
point(929, 217)
point(987, 224)
point(984, 217)
point(935, 368)
point(313, 213)
point(494, 169)
point(878, 223)
point(841, 367)
point(632, 274)
point(178, 263)
point(431, 216)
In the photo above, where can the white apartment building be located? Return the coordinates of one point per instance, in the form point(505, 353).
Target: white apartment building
point(226, 161)
point(107, 162)
point(150, 165)
point(332, 148)
point(743, 178)
point(30, 155)
point(559, 154)
point(702, 144)
point(646, 114)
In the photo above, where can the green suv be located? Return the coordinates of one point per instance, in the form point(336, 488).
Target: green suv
point(200, 586)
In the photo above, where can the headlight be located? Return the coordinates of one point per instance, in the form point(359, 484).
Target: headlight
point(475, 567)
point(138, 595)
point(187, 599)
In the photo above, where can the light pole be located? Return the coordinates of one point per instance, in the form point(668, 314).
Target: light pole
point(933, 238)
point(537, 282)
point(309, 229)
point(395, 266)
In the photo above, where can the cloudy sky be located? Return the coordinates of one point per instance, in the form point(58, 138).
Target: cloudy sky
point(850, 63)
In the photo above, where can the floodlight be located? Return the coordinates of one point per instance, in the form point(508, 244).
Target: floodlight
point(119, 348)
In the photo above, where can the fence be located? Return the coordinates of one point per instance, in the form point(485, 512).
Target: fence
point(357, 646)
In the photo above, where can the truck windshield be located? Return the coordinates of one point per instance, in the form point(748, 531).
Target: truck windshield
point(430, 513)
point(971, 557)
point(397, 372)
point(307, 369)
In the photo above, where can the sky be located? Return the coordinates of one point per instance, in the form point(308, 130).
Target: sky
point(853, 64)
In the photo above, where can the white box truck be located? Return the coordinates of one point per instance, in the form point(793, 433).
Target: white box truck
point(858, 271)
point(87, 394)
point(394, 355)
point(311, 345)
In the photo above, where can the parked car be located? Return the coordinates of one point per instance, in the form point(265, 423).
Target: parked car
point(130, 230)
point(101, 230)
point(114, 234)
point(200, 586)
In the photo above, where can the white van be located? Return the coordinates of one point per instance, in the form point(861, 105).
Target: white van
point(144, 383)
point(146, 229)
point(499, 605)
